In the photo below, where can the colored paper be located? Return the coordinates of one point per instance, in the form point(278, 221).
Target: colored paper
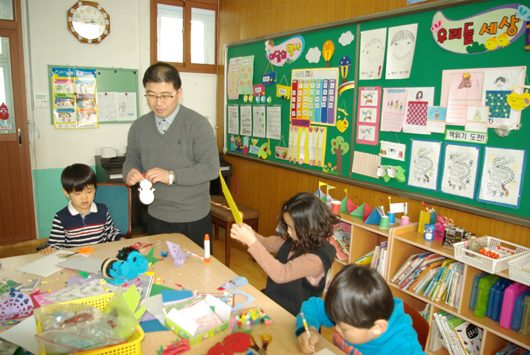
point(230, 200)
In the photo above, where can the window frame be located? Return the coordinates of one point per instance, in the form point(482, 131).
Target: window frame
point(187, 5)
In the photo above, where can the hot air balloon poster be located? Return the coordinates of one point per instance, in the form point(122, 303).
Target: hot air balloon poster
point(372, 54)
point(401, 47)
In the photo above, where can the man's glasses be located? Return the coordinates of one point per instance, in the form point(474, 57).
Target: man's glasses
point(153, 97)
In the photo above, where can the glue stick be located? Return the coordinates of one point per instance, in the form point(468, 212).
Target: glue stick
point(206, 248)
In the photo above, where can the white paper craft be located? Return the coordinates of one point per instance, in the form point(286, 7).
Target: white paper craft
point(460, 170)
point(233, 119)
point(501, 176)
point(424, 162)
point(393, 150)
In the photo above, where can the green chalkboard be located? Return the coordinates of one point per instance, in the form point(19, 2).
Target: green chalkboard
point(435, 68)
point(112, 94)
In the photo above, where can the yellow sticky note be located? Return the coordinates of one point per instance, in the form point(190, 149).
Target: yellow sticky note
point(230, 200)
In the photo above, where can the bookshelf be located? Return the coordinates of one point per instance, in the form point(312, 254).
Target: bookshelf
point(405, 241)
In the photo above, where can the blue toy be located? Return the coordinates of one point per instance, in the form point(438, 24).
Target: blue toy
point(128, 264)
point(428, 234)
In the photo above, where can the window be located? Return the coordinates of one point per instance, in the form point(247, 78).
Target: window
point(184, 33)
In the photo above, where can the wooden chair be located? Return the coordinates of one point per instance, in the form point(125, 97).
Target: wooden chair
point(222, 216)
point(420, 324)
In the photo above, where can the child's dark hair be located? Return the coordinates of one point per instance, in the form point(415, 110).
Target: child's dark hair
point(78, 176)
point(358, 296)
point(313, 221)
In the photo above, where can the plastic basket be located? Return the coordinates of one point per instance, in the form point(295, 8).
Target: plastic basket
point(519, 269)
point(482, 262)
point(132, 347)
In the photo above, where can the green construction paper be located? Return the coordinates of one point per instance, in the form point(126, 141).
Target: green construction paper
point(83, 273)
point(150, 257)
point(156, 289)
point(344, 205)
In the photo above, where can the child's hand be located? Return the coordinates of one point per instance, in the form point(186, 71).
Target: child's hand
point(306, 344)
point(244, 233)
point(47, 250)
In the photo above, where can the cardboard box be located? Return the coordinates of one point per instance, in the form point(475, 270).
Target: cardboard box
point(180, 317)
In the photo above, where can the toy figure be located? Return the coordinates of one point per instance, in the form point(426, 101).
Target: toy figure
point(147, 195)
point(429, 231)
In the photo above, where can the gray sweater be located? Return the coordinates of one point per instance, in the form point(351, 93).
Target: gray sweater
point(189, 149)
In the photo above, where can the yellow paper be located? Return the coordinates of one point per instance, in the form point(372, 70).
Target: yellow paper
point(230, 200)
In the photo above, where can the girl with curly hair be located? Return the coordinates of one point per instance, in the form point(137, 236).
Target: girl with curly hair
point(303, 253)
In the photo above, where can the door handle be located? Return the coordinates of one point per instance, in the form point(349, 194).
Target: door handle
point(19, 138)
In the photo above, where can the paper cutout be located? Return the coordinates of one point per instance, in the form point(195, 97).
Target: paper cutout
point(14, 305)
point(179, 256)
point(518, 102)
point(237, 306)
point(150, 257)
point(362, 212)
point(347, 206)
point(233, 207)
point(235, 282)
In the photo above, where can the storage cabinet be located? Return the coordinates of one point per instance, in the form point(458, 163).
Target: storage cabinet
point(405, 241)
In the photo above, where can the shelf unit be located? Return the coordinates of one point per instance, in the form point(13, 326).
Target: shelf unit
point(404, 242)
point(364, 238)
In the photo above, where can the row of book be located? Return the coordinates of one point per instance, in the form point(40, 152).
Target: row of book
point(458, 336)
point(376, 259)
point(433, 276)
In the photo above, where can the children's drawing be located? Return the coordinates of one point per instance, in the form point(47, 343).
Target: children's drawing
point(477, 119)
point(393, 150)
point(460, 170)
point(372, 54)
point(502, 174)
point(393, 109)
point(368, 115)
point(401, 46)
point(366, 133)
point(436, 119)
point(424, 162)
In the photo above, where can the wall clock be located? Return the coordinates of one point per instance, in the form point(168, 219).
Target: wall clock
point(88, 21)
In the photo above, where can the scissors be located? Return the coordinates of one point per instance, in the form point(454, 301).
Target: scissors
point(84, 250)
point(265, 339)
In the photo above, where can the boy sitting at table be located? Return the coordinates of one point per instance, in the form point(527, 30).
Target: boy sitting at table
point(367, 319)
point(83, 221)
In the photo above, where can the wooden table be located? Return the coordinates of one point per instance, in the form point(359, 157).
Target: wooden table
point(194, 274)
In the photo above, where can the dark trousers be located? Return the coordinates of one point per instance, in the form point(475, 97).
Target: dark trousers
point(194, 230)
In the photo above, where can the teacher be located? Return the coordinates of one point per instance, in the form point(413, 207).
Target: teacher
point(175, 149)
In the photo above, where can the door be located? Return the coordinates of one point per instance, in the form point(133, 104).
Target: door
point(17, 217)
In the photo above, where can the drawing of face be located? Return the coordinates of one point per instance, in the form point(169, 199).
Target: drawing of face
point(402, 45)
point(374, 49)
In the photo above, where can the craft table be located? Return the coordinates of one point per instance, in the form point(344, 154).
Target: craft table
point(194, 274)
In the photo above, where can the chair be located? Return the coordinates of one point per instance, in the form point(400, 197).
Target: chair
point(222, 216)
point(420, 324)
point(117, 197)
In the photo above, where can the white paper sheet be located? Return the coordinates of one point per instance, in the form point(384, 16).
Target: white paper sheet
point(22, 334)
point(46, 265)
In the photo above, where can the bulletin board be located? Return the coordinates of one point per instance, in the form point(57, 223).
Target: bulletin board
point(114, 95)
point(382, 128)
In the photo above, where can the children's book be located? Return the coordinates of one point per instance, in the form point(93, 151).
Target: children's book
point(470, 337)
point(366, 259)
point(403, 267)
point(425, 282)
point(413, 266)
point(426, 271)
point(445, 338)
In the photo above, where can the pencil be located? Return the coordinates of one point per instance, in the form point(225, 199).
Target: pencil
point(306, 329)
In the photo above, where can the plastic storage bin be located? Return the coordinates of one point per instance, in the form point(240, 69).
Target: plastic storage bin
point(484, 287)
point(498, 296)
point(518, 310)
point(510, 295)
point(465, 252)
point(519, 269)
point(474, 290)
point(132, 347)
point(525, 326)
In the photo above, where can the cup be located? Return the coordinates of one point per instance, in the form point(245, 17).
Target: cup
point(335, 206)
point(404, 221)
point(383, 224)
point(391, 217)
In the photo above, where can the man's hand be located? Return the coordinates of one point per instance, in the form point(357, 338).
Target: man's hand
point(133, 177)
point(157, 175)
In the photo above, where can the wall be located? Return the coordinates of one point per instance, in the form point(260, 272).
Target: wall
point(48, 42)
point(265, 187)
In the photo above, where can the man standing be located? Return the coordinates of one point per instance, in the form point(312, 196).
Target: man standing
point(175, 149)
